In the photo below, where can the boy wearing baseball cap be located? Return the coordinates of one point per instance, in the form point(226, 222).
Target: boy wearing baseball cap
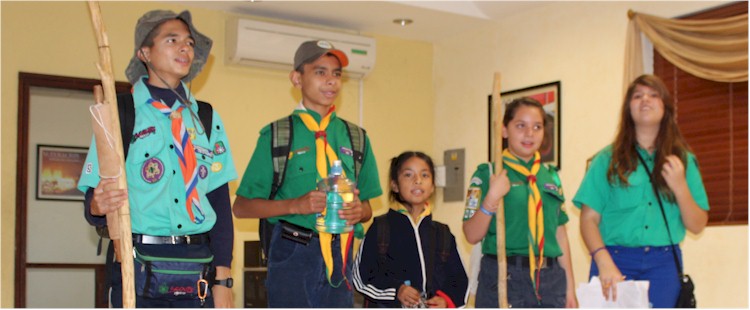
point(306, 268)
point(177, 165)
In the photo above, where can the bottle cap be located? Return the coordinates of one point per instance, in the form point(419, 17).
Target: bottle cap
point(336, 169)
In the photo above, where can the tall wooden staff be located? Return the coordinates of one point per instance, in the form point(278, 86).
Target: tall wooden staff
point(502, 263)
point(108, 137)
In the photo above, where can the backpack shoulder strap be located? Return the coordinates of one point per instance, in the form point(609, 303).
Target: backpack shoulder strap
point(126, 111)
point(443, 235)
point(357, 137)
point(282, 134)
point(384, 236)
point(206, 115)
point(281, 143)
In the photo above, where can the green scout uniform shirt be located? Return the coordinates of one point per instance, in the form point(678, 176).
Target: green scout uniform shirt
point(630, 215)
point(301, 172)
point(156, 190)
point(516, 209)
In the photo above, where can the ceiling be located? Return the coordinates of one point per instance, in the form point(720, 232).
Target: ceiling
point(432, 19)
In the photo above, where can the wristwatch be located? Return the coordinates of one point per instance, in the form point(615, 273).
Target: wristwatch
point(228, 282)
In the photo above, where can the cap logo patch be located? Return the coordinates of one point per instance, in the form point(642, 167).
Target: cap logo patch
point(325, 44)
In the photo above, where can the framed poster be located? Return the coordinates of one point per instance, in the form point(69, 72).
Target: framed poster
point(58, 172)
point(549, 96)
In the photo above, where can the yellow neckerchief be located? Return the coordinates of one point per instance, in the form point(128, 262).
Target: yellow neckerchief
point(324, 154)
point(536, 216)
point(400, 208)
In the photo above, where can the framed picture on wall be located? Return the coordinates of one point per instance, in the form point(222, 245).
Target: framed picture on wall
point(549, 96)
point(58, 172)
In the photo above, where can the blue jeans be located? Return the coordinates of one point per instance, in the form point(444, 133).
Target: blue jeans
point(552, 286)
point(651, 263)
point(297, 275)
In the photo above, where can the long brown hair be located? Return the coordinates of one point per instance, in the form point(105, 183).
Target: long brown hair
point(669, 140)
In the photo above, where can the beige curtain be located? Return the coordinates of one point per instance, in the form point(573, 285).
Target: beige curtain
point(712, 49)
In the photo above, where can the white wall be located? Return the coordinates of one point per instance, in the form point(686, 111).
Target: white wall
point(582, 45)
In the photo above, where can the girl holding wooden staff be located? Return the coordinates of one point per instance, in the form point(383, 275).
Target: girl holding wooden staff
point(178, 165)
point(539, 267)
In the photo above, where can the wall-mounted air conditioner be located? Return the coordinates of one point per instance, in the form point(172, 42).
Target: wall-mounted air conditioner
point(271, 45)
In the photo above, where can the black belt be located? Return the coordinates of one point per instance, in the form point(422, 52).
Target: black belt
point(523, 261)
point(187, 239)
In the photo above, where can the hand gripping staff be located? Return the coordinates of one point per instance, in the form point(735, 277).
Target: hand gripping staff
point(502, 263)
point(106, 123)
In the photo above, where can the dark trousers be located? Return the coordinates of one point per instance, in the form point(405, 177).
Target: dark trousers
point(552, 286)
point(297, 275)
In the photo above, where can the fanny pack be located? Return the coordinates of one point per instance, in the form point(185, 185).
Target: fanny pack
point(172, 272)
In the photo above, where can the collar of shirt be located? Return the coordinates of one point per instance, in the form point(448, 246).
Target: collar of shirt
point(400, 208)
point(141, 94)
point(317, 117)
point(166, 95)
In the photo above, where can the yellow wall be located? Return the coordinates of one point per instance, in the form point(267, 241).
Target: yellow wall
point(582, 45)
point(420, 96)
point(56, 38)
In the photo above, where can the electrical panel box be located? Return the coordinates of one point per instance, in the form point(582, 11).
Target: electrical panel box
point(454, 175)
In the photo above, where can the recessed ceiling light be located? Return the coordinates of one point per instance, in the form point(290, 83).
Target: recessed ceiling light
point(403, 21)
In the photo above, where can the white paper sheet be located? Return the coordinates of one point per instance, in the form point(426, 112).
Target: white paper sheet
point(630, 294)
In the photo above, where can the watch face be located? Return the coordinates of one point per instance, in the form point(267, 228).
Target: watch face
point(228, 282)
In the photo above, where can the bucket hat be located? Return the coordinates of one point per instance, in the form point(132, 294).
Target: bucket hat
point(147, 23)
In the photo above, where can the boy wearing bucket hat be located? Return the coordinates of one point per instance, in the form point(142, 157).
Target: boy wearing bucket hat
point(177, 172)
point(308, 269)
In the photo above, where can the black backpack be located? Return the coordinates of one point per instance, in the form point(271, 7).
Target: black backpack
point(282, 134)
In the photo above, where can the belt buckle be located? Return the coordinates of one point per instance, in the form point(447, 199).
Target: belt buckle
point(544, 262)
point(187, 239)
point(173, 239)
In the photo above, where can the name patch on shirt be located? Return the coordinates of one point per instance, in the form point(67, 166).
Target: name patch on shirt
point(551, 187)
point(144, 133)
point(203, 151)
point(346, 151)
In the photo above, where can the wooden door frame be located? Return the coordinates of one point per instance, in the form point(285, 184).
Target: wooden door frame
point(25, 82)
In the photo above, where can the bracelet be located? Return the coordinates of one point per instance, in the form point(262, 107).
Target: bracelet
point(481, 208)
point(597, 250)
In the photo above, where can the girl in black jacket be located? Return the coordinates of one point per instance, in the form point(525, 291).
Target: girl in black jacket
point(406, 258)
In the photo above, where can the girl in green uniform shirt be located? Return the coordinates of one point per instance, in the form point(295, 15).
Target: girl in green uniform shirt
point(621, 220)
point(540, 273)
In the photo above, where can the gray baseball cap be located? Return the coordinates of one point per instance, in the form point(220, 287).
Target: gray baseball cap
point(149, 22)
point(310, 51)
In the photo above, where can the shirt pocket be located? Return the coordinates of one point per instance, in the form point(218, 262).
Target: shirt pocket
point(301, 174)
point(553, 194)
point(626, 199)
point(148, 161)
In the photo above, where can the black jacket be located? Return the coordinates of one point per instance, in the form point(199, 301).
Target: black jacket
point(379, 277)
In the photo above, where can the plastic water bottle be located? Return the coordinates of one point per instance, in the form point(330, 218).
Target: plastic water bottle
point(422, 300)
point(339, 190)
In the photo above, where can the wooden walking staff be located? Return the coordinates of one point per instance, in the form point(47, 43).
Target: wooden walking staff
point(108, 138)
point(502, 263)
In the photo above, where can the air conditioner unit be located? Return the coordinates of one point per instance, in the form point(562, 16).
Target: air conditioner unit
point(270, 45)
